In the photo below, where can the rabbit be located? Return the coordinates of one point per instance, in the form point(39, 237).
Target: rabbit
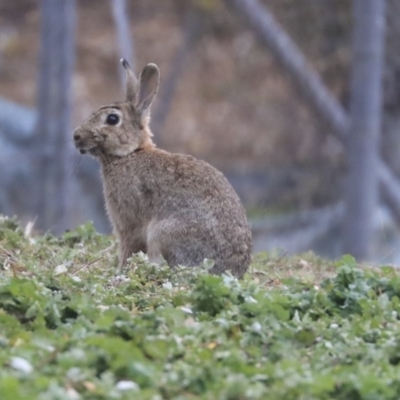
point(170, 206)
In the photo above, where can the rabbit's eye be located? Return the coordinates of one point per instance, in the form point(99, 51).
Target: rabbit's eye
point(112, 119)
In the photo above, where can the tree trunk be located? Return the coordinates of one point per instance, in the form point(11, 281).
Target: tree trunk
point(53, 129)
point(391, 120)
point(363, 140)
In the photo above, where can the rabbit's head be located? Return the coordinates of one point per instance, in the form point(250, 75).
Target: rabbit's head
point(122, 128)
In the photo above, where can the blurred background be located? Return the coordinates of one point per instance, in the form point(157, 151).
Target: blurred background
point(297, 102)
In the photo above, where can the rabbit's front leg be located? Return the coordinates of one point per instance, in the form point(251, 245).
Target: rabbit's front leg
point(128, 245)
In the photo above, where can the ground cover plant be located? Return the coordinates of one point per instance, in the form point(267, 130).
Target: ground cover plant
point(74, 327)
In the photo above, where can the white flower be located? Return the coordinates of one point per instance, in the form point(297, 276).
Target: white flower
point(60, 269)
point(186, 310)
point(167, 285)
point(20, 364)
point(127, 385)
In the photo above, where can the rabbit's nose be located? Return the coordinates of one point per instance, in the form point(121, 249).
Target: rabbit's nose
point(77, 136)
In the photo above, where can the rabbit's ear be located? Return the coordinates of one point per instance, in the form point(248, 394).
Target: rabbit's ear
point(131, 82)
point(149, 81)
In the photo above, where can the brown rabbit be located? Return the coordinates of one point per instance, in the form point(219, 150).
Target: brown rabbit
point(169, 206)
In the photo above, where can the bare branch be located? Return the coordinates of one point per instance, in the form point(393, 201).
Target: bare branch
point(299, 231)
point(190, 34)
point(125, 42)
point(16, 122)
point(306, 80)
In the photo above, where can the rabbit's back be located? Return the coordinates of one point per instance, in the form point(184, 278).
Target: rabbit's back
point(178, 206)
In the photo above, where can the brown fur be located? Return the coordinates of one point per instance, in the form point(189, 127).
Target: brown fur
point(169, 206)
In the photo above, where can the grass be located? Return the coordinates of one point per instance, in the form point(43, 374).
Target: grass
point(74, 327)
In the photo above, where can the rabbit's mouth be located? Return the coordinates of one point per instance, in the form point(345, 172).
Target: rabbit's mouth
point(84, 145)
point(94, 151)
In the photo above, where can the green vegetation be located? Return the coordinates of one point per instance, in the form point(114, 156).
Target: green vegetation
point(73, 327)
